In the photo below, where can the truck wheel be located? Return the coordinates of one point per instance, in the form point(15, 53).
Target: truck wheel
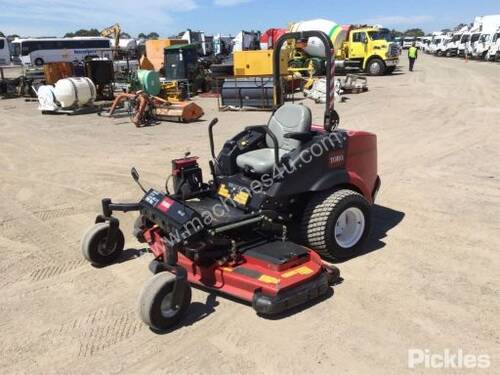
point(155, 302)
point(94, 245)
point(39, 62)
point(336, 224)
point(375, 67)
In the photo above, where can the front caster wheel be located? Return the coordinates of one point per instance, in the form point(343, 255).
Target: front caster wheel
point(94, 245)
point(156, 304)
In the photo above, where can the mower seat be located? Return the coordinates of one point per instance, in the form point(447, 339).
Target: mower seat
point(289, 118)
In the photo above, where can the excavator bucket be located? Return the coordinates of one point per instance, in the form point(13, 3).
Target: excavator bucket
point(181, 112)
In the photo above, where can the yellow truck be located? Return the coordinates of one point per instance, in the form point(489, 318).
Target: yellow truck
point(370, 49)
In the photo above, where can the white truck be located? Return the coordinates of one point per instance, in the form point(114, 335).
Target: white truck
point(433, 46)
point(475, 34)
point(408, 41)
point(493, 53)
point(452, 46)
point(442, 46)
point(488, 26)
point(4, 51)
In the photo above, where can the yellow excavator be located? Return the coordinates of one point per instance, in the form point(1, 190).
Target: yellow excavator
point(113, 31)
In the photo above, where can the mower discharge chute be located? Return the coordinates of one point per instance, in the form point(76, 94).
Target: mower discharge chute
point(282, 196)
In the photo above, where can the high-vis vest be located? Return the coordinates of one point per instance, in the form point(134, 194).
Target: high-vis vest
point(412, 53)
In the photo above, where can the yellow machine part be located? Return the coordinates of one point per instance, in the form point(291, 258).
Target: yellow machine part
point(258, 63)
point(172, 92)
point(155, 53)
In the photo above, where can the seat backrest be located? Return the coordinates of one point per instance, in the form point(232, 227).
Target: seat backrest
point(289, 118)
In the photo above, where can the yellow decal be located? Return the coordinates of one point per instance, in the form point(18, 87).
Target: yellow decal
point(269, 279)
point(223, 191)
point(298, 271)
point(241, 198)
point(227, 269)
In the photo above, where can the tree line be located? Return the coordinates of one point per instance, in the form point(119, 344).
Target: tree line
point(95, 32)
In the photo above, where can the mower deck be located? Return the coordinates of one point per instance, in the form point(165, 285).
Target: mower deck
point(273, 276)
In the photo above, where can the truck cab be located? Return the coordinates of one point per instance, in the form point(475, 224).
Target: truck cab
point(482, 46)
point(463, 43)
point(408, 42)
point(494, 50)
point(4, 52)
point(469, 46)
point(372, 49)
point(436, 41)
point(442, 46)
point(452, 46)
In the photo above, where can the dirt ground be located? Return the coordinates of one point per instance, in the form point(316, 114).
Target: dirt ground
point(430, 279)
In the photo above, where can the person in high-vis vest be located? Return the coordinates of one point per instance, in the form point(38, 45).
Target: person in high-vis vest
point(412, 55)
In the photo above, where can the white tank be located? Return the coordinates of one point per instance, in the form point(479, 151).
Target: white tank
point(314, 45)
point(75, 91)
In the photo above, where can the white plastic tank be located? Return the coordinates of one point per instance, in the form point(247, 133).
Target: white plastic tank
point(314, 45)
point(75, 91)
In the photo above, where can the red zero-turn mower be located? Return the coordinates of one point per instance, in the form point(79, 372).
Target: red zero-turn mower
point(282, 195)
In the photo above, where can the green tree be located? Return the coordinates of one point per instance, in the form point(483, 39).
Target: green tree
point(2, 35)
point(83, 32)
point(125, 36)
point(396, 33)
point(446, 30)
point(142, 36)
point(460, 26)
point(414, 32)
point(153, 35)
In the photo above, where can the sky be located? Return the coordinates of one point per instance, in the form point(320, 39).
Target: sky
point(169, 17)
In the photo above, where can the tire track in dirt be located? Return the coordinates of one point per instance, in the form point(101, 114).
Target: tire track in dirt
point(49, 214)
point(56, 269)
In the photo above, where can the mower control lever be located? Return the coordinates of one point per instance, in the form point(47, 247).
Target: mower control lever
point(211, 136)
point(274, 139)
point(135, 176)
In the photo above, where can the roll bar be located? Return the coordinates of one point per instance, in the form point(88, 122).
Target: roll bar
point(331, 118)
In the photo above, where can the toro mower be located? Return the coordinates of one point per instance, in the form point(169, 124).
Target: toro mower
point(282, 196)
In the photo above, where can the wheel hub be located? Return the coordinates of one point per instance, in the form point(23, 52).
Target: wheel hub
point(101, 248)
point(349, 227)
point(375, 68)
point(167, 308)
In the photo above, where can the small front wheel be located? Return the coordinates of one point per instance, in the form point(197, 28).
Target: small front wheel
point(94, 245)
point(157, 307)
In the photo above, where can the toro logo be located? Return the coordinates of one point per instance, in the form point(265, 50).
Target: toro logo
point(165, 204)
point(336, 159)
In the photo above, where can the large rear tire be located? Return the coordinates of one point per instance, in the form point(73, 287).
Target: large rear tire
point(336, 224)
point(155, 306)
point(94, 245)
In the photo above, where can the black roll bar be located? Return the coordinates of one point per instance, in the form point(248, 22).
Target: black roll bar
point(331, 117)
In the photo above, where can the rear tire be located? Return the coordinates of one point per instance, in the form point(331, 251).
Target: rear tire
point(336, 224)
point(39, 62)
point(155, 307)
point(94, 245)
point(375, 67)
